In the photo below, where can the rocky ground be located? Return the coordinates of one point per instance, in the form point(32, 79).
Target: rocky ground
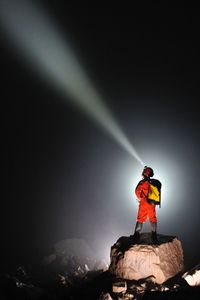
point(64, 276)
point(92, 285)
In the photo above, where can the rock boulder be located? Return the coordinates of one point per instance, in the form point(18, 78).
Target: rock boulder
point(134, 261)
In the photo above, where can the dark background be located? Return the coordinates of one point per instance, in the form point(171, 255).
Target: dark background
point(64, 177)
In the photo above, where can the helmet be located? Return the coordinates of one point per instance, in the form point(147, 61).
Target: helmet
point(147, 172)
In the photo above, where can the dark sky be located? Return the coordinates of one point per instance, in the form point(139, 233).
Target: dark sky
point(63, 176)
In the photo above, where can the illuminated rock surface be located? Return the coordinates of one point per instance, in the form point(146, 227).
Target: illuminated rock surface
point(137, 261)
point(193, 276)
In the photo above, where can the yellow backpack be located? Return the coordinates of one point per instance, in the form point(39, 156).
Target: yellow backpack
point(154, 193)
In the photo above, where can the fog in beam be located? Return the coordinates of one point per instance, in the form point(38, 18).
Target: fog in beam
point(33, 33)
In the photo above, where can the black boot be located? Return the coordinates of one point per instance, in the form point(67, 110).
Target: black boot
point(154, 233)
point(138, 229)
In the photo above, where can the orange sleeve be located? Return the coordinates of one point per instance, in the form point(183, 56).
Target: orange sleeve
point(142, 189)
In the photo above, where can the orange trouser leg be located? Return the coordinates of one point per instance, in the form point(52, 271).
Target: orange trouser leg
point(146, 210)
point(152, 213)
point(142, 212)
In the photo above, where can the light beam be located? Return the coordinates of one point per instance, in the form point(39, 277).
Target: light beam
point(33, 34)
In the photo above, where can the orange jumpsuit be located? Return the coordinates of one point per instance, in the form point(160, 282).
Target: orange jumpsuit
point(145, 209)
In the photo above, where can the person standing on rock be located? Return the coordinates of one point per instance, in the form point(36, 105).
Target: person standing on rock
point(148, 192)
